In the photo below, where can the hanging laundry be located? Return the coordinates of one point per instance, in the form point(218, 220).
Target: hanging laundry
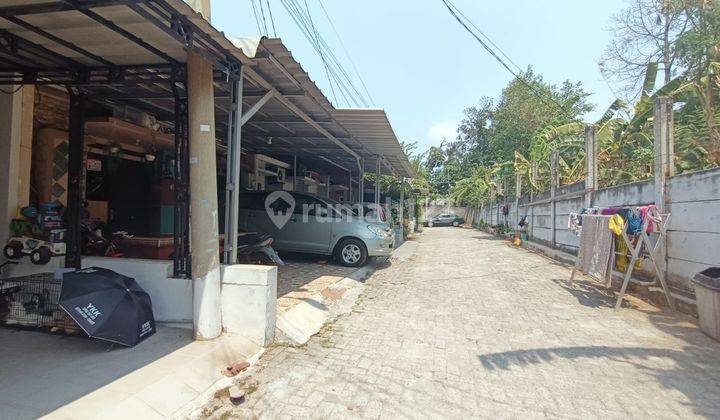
point(609, 211)
point(575, 223)
point(621, 256)
point(616, 224)
point(649, 211)
point(633, 220)
point(596, 246)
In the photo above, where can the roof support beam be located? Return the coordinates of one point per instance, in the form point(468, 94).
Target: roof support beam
point(292, 107)
point(334, 164)
point(58, 40)
point(13, 44)
point(256, 107)
point(115, 28)
point(54, 6)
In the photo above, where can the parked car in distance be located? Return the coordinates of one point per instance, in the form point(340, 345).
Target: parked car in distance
point(445, 219)
point(316, 225)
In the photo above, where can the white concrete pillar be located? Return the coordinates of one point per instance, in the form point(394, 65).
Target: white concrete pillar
point(402, 200)
point(518, 194)
point(554, 182)
point(249, 301)
point(10, 144)
point(204, 243)
point(377, 181)
point(26, 141)
point(664, 162)
point(534, 176)
point(591, 164)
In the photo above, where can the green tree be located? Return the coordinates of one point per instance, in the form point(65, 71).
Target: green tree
point(522, 112)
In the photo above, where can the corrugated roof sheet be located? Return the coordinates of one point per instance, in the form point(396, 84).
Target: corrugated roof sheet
point(270, 65)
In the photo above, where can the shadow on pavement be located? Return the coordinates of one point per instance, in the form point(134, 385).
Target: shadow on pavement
point(693, 369)
point(590, 294)
point(630, 355)
point(490, 238)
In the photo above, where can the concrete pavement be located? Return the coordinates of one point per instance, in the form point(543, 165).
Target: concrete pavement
point(472, 327)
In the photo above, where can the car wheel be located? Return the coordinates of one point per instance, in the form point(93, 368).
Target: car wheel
point(456, 224)
point(13, 251)
point(41, 255)
point(351, 253)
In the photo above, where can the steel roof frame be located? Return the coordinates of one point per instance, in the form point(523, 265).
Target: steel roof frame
point(32, 63)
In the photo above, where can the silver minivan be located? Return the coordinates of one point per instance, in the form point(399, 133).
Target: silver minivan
point(300, 222)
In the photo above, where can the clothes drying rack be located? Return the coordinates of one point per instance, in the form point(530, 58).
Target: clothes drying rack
point(660, 224)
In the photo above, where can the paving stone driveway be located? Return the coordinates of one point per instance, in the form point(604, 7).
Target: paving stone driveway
point(302, 277)
point(470, 327)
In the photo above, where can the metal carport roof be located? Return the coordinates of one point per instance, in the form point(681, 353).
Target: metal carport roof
point(274, 62)
point(118, 50)
point(373, 130)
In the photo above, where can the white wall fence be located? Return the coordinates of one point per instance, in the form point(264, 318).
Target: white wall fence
point(693, 199)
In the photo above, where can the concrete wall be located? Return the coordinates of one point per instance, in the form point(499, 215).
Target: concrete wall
point(693, 241)
point(248, 295)
point(171, 297)
point(694, 232)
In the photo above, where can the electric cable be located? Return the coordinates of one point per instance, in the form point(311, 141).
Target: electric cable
point(272, 21)
point(347, 54)
point(336, 70)
point(534, 89)
point(262, 13)
point(304, 22)
point(257, 18)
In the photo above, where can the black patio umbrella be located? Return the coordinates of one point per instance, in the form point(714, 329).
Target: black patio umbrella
point(107, 305)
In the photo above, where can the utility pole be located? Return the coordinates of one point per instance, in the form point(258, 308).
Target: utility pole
point(204, 241)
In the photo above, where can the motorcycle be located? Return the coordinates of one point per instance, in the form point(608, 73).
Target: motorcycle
point(95, 242)
point(256, 248)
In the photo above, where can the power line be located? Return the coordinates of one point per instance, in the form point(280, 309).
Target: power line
point(262, 13)
point(297, 15)
point(339, 73)
point(534, 89)
point(271, 18)
point(486, 37)
point(257, 18)
point(347, 54)
point(303, 19)
point(319, 50)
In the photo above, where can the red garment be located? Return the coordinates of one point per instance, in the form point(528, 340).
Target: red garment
point(644, 215)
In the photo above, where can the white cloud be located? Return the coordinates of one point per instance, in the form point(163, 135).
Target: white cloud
point(444, 130)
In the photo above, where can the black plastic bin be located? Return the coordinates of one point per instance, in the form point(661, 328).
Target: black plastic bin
point(707, 293)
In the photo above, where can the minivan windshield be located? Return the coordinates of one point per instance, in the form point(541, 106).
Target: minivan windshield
point(368, 209)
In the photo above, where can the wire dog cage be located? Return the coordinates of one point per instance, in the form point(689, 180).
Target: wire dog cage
point(32, 302)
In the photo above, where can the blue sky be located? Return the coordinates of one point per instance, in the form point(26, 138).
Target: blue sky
point(422, 67)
